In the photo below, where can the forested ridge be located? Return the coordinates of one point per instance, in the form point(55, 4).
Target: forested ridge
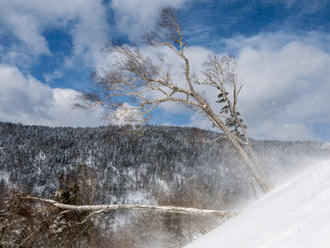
point(158, 165)
point(128, 160)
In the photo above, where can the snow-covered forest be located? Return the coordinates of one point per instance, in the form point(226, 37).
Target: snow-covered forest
point(151, 165)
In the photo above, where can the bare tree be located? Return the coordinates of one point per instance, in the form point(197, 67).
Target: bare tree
point(148, 82)
point(95, 209)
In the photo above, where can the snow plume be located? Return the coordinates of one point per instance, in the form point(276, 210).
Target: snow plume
point(295, 214)
point(127, 114)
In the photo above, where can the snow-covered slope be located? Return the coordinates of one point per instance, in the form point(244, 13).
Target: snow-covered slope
point(296, 214)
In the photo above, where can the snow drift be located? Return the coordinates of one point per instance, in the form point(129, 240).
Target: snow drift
point(296, 214)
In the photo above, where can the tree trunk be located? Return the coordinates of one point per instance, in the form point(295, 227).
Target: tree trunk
point(110, 207)
point(261, 177)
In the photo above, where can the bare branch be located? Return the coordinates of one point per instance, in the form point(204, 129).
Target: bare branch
point(111, 207)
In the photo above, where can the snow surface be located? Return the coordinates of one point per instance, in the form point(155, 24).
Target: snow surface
point(295, 214)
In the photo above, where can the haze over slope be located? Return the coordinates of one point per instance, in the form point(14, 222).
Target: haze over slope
point(295, 214)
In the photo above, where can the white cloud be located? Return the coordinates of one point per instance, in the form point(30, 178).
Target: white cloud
point(135, 17)
point(54, 75)
point(24, 99)
point(282, 131)
point(27, 29)
point(21, 95)
point(27, 20)
point(286, 86)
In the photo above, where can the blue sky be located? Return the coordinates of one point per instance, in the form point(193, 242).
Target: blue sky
point(48, 50)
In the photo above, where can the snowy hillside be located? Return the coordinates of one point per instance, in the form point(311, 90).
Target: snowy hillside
point(293, 215)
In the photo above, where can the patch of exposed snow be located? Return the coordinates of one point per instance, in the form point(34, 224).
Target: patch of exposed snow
point(41, 156)
point(136, 197)
point(4, 177)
